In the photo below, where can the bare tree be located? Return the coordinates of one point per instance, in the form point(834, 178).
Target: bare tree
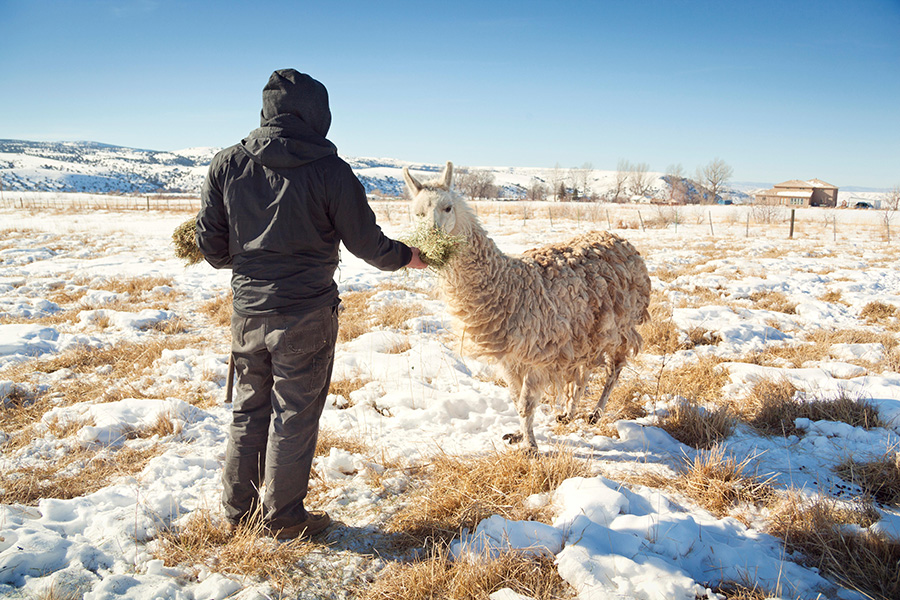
point(889, 205)
point(713, 178)
point(556, 181)
point(640, 180)
point(537, 190)
point(574, 178)
point(476, 183)
point(587, 170)
point(623, 170)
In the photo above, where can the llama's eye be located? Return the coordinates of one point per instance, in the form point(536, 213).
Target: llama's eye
point(447, 209)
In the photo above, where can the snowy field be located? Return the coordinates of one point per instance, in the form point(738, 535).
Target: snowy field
point(736, 292)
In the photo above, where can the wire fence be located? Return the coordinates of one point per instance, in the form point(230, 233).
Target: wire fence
point(99, 202)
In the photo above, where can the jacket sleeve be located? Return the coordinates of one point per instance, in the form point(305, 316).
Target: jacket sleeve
point(212, 220)
point(356, 225)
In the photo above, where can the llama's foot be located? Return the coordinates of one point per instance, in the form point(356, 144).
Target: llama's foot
point(594, 417)
point(563, 418)
point(513, 438)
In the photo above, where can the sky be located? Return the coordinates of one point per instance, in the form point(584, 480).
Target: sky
point(777, 89)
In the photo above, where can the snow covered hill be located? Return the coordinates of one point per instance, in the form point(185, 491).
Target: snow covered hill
point(96, 167)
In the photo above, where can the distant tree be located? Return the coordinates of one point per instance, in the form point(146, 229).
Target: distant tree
point(562, 194)
point(889, 205)
point(537, 190)
point(584, 178)
point(640, 181)
point(556, 181)
point(713, 178)
point(476, 183)
point(623, 171)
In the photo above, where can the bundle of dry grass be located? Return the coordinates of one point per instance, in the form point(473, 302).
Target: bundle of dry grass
point(863, 561)
point(460, 491)
point(185, 239)
point(436, 246)
point(441, 578)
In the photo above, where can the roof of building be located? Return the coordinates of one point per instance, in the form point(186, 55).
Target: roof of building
point(808, 184)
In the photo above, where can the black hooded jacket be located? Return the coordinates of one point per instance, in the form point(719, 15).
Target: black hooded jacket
point(275, 207)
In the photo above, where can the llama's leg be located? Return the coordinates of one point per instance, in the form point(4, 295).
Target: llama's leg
point(574, 392)
point(514, 385)
point(528, 401)
point(613, 368)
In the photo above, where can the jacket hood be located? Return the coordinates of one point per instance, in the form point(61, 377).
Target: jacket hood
point(285, 141)
point(291, 92)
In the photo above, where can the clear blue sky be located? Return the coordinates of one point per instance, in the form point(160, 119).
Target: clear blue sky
point(778, 89)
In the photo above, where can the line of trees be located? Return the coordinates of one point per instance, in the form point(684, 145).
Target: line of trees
point(631, 180)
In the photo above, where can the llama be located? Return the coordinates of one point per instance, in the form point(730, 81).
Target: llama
point(547, 318)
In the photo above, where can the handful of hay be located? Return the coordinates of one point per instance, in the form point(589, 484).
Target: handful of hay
point(185, 239)
point(436, 247)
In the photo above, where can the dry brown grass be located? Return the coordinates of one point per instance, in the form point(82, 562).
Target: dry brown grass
point(207, 542)
point(699, 382)
point(394, 315)
point(719, 483)
point(660, 334)
point(441, 578)
point(774, 405)
point(219, 309)
point(733, 590)
point(864, 561)
point(79, 472)
point(775, 301)
point(132, 285)
point(459, 491)
point(354, 316)
point(124, 362)
point(698, 426)
point(879, 479)
point(833, 296)
point(876, 312)
point(345, 387)
point(328, 439)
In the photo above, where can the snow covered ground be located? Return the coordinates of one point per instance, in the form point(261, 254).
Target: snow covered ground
point(422, 396)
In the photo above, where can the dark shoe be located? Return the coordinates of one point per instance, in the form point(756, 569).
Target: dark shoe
point(316, 523)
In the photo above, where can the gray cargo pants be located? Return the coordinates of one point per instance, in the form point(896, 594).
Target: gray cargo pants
point(282, 372)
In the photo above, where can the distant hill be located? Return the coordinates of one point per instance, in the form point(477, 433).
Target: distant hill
point(104, 168)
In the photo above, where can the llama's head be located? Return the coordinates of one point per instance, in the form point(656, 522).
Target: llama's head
point(436, 203)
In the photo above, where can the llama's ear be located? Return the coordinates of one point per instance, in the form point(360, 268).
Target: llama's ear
point(414, 186)
point(447, 176)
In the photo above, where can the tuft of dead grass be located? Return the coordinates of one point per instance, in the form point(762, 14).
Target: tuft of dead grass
point(206, 541)
point(660, 334)
point(459, 491)
point(861, 560)
point(345, 387)
point(775, 301)
point(700, 382)
point(719, 483)
point(774, 405)
point(354, 315)
point(80, 472)
point(328, 439)
point(876, 312)
point(121, 363)
point(219, 309)
point(394, 315)
point(879, 479)
point(698, 426)
point(439, 577)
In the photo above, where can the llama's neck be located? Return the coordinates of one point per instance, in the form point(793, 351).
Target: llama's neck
point(470, 279)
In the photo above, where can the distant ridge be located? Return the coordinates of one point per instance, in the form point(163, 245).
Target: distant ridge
point(94, 167)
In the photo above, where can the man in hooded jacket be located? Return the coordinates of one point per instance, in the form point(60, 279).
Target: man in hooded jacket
point(274, 209)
